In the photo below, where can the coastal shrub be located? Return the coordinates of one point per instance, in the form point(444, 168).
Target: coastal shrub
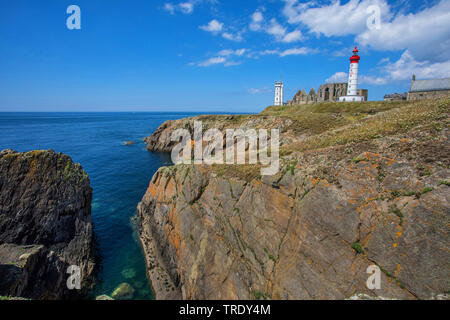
point(357, 247)
point(426, 190)
point(258, 294)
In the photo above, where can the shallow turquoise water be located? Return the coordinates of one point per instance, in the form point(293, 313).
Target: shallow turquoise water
point(119, 176)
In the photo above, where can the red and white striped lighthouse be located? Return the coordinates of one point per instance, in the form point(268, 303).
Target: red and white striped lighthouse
point(352, 87)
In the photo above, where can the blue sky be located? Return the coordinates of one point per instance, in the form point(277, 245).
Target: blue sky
point(209, 55)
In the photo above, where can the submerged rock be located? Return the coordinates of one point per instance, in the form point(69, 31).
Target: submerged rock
point(45, 225)
point(123, 292)
point(129, 273)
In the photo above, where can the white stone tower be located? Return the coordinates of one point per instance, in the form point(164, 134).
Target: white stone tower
point(352, 88)
point(279, 88)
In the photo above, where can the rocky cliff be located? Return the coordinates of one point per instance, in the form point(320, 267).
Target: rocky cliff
point(360, 185)
point(45, 225)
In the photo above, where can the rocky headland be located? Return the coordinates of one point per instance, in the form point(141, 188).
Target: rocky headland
point(362, 184)
point(45, 225)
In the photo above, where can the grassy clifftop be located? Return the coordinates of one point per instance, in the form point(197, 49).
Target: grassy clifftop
point(317, 126)
point(341, 123)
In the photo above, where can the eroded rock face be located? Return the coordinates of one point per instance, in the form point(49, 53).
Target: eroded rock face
point(161, 141)
point(310, 232)
point(45, 224)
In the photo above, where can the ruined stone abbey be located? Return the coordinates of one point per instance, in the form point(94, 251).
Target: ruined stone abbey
point(329, 92)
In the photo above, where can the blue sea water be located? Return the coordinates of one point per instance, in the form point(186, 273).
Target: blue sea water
point(119, 176)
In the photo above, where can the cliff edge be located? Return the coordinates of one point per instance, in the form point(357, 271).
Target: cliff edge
point(360, 185)
point(45, 225)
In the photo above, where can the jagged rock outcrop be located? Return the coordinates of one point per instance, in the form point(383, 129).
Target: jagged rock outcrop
point(45, 225)
point(160, 140)
point(312, 230)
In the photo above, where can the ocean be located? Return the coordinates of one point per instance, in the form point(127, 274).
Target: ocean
point(119, 177)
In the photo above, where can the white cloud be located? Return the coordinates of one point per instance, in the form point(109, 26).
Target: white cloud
point(183, 7)
point(169, 7)
point(260, 90)
point(295, 52)
point(384, 60)
point(216, 27)
point(293, 7)
point(233, 37)
point(373, 80)
point(232, 63)
point(223, 57)
point(257, 20)
point(269, 52)
point(186, 7)
point(212, 61)
point(293, 36)
point(227, 52)
point(333, 19)
point(403, 68)
point(213, 26)
point(289, 52)
point(227, 57)
point(426, 34)
point(275, 28)
point(337, 77)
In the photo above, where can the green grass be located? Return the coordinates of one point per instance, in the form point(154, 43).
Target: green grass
point(370, 107)
point(425, 190)
point(290, 168)
point(258, 295)
point(406, 116)
point(357, 247)
point(395, 210)
point(245, 172)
